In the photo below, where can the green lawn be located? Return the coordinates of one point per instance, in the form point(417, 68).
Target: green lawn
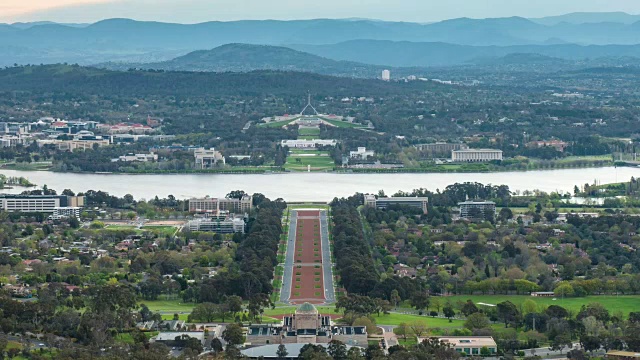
point(120, 227)
point(161, 230)
point(396, 319)
point(182, 317)
point(624, 303)
point(288, 310)
point(343, 124)
point(277, 124)
point(390, 319)
point(317, 163)
point(126, 338)
point(175, 306)
point(309, 132)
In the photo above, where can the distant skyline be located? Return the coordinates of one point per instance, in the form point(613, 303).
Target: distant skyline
point(194, 11)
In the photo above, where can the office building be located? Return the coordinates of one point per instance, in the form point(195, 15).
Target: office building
point(207, 159)
point(214, 205)
point(222, 224)
point(470, 345)
point(362, 153)
point(13, 128)
point(476, 155)
point(306, 326)
point(440, 148)
point(14, 140)
point(421, 203)
point(307, 144)
point(386, 75)
point(477, 210)
point(38, 203)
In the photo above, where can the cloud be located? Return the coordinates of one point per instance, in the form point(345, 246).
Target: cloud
point(190, 11)
point(11, 9)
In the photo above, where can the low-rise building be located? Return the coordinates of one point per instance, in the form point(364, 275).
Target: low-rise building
point(207, 159)
point(306, 326)
point(623, 355)
point(178, 338)
point(476, 155)
point(557, 144)
point(151, 157)
point(222, 224)
point(421, 203)
point(13, 128)
point(15, 140)
point(362, 153)
point(307, 144)
point(470, 345)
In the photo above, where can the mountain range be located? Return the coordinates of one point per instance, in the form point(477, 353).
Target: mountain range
point(358, 40)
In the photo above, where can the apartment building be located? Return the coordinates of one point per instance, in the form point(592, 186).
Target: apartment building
point(421, 203)
point(213, 205)
point(476, 209)
point(38, 203)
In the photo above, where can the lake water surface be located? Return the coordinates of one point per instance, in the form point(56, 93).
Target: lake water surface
point(312, 186)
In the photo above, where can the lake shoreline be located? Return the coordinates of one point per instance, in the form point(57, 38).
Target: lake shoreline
point(258, 171)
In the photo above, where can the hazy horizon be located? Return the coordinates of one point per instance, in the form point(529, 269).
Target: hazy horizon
point(195, 11)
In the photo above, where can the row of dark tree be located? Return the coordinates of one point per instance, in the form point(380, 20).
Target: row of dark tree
point(251, 275)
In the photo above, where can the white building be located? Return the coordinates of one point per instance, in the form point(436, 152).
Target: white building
point(476, 155)
point(38, 203)
point(206, 159)
point(386, 75)
point(222, 225)
point(362, 153)
point(66, 212)
point(470, 345)
point(138, 157)
point(307, 144)
point(14, 140)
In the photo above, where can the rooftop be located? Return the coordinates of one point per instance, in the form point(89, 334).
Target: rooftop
point(476, 150)
point(269, 351)
point(307, 308)
point(474, 341)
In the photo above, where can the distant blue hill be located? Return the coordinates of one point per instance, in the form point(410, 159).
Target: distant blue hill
point(137, 41)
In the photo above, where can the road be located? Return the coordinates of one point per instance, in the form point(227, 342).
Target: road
point(329, 288)
point(285, 292)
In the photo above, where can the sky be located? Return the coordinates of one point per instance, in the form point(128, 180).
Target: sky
point(193, 11)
